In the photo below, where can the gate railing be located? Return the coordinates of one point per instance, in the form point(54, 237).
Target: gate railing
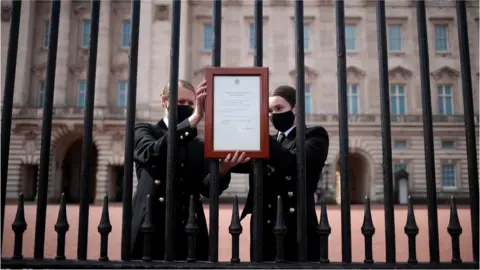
point(235, 229)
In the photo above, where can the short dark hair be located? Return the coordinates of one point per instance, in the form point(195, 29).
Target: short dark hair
point(286, 92)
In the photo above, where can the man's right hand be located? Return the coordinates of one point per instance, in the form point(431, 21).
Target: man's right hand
point(198, 113)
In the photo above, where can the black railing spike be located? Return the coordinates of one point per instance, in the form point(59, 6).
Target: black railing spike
point(411, 230)
point(104, 228)
point(368, 230)
point(19, 226)
point(235, 230)
point(61, 227)
point(280, 229)
point(324, 230)
point(147, 231)
point(454, 229)
point(192, 230)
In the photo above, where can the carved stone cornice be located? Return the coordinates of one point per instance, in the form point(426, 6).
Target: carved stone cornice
point(400, 73)
point(39, 70)
point(445, 73)
point(369, 3)
point(31, 142)
point(6, 13)
point(121, 7)
point(161, 12)
point(310, 72)
point(279, 3)
point(356, 72)
point(76, 68)
point(325, 3)
point(306, 19)
point(31, 135)
point(232, 3)
point(118, 69)
point(80, 7)
point(251, 18)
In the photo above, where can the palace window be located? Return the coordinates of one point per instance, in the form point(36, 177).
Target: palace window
point(122, 93)
point(46, 33)
point(81, 93)
point(441, 38)
point(207, 36)
point(449, 179)
point(85, 33)
point(350, 37)
point(394, 37)
point(126, 33)
point(352, 99)
point(397, 99)
point(445, 99)
point(308, 98)
point(41, 93)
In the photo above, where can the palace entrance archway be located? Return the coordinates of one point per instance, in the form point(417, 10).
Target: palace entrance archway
point(71, 172)
point(359, 177)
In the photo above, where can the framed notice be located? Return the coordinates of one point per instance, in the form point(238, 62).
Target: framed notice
point(237, 112)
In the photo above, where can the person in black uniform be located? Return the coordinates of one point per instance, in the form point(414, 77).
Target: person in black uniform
point(193, 178)
point(281, 177)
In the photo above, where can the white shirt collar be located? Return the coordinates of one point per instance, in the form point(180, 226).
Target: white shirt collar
point(165, 119)
point(287, 132)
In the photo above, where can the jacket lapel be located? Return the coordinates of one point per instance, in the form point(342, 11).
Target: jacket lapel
point(290, 141)
point(161, 128)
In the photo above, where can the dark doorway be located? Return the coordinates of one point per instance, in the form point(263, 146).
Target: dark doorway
point(116, 183)
point(358, 178)
point(29, 180)
point(71, 172)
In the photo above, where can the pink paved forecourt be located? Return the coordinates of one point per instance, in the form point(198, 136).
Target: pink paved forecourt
point(335, 249)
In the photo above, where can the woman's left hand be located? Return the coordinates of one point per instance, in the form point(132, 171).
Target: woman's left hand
point(229, 162)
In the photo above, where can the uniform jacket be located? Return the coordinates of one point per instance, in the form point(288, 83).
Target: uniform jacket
point(280, 178)
point(193, 177)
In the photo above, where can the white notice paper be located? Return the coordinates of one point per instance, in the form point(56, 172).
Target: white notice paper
point(236, 114)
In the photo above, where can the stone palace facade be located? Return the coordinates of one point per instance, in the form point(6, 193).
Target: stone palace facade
point(365, 158)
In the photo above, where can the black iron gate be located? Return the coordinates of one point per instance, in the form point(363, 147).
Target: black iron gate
point(104, 228)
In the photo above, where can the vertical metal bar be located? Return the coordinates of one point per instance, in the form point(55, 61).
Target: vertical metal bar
point(46, 131)
point(18, 227)
point(104, 228)
point(257, 216)
point(8, 99)
point(129, 133)
point(411, 230)
point(428, 133)
point(386, 133)
point(86, 169)
point(280, 230)
point(214, 185)
point(147, 230)
point(343, 130)
point(301, 177)
point(469, 122)
point(172, 134)
point(191, 229)
point(61, 227)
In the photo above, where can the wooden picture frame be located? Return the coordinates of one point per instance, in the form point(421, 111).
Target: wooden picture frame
point(244, 116)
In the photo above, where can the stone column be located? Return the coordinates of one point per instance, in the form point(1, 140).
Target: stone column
point(62, 70)
point(184, 67)
point(102, 179)
point(24, 54)
point(103, 55)
point(144, 56)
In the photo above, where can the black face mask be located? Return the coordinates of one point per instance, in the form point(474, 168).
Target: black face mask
point(183, 112)
point(282, 121)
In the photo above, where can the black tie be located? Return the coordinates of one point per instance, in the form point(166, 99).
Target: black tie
point(281, 138)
